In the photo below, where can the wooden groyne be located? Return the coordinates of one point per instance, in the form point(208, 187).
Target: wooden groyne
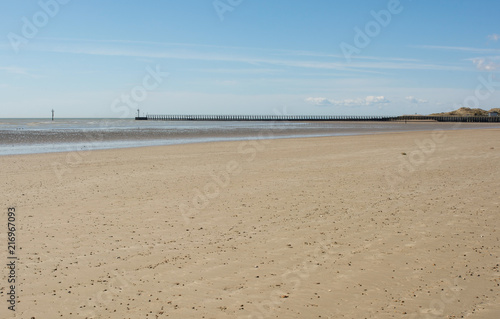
point(471, 119)
point(307, 118)
point(264, 118)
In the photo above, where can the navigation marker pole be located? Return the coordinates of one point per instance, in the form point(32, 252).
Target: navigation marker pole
point(52, 114)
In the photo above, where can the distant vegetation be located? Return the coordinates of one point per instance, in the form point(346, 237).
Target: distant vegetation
point(465, 111)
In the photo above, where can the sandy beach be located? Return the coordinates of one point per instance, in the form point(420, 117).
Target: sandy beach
point(396, 225)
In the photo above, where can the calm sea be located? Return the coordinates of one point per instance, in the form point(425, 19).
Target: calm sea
point(26, 136)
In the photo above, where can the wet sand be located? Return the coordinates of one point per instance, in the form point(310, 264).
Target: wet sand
point(255, 129)
point(399, 225)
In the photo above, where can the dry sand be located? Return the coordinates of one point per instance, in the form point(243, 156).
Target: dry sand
point(337, 227)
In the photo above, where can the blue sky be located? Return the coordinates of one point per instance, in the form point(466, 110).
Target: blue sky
point(89, 58)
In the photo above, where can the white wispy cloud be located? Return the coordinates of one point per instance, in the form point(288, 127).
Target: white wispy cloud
point(360, 57)
point(319, 101)
point(18, 71)
point(453, 48)
point(481, 63)
point(486, 64)
point(251, 56)
point(274, 52)
point(494, 37)
point(415, 100)
point(239, 70)
point(367, 101)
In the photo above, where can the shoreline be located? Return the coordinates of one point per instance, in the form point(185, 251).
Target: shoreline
point(50, 141)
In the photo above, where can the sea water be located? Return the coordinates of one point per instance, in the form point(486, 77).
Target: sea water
point(27, 136)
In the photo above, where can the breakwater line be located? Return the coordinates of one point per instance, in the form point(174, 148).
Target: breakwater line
point(376, 118)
